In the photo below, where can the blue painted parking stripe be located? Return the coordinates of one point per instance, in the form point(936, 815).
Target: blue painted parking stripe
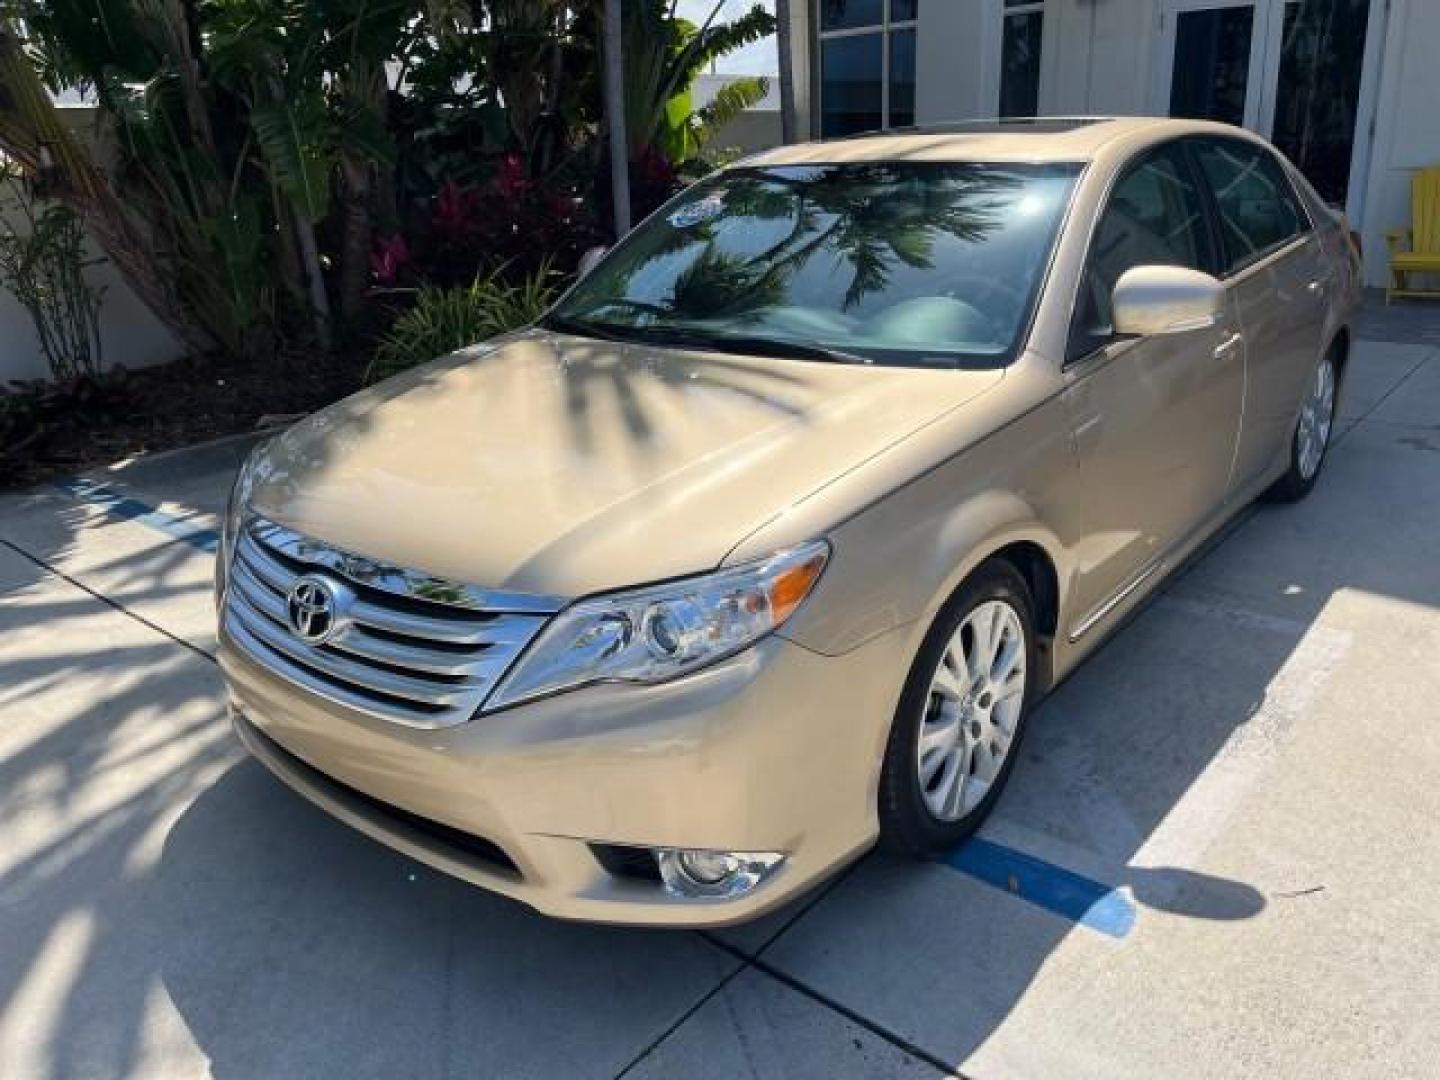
point(1068, 894)
point(116, 505)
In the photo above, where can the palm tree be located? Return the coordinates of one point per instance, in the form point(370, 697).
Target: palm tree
point(239, 123)
point(615, 115)
point(789, 126)
point(664, 54)
point(59, 166)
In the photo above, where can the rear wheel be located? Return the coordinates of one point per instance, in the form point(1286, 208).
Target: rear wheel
point(954, 738)
point(1312, 433)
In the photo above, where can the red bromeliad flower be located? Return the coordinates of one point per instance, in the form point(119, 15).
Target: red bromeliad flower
point(390, 256)
point(510, 179)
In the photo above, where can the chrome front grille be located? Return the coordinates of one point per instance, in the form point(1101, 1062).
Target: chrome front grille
point(405, 647)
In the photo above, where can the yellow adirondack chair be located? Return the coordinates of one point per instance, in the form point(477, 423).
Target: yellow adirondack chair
point(1416, 250)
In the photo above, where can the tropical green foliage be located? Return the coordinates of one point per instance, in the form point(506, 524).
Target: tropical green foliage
point(42, 264)
point(663, 57)
point(444, 320)
point(267, 161)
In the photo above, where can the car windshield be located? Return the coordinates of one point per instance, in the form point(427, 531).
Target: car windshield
point(931, 264)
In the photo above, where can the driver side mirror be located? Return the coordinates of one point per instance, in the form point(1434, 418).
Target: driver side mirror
point(589, 260)
point(1151, 300)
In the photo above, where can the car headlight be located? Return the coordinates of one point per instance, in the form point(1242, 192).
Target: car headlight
point(660, 632)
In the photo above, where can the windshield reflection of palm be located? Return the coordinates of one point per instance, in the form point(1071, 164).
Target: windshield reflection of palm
point(865, 225)
point(849, 217)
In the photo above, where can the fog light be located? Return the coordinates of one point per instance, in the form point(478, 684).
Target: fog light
point(708, 867)
point(694, 872)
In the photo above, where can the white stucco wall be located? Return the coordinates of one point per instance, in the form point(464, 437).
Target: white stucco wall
point(1099, 57)
point(1095, 58)
point(130, 335)
point(950, 77)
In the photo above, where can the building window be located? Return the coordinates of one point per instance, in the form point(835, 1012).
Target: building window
point(1020, 32)
point(867, 65)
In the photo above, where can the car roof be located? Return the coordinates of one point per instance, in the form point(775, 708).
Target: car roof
point(1041, 139)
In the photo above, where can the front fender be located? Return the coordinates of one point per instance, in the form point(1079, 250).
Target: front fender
point(886, 574)
point(896, 562)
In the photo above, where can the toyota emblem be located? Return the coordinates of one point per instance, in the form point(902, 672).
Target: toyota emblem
point(311, 608)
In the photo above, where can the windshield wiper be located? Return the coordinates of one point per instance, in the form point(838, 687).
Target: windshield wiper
point(689, 337)
point(583, 328)
point(784, 347)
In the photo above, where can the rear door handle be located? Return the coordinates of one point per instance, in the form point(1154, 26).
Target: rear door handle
point(1228, 344)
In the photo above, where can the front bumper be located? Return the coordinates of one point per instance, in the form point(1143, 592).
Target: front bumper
point(777, 749)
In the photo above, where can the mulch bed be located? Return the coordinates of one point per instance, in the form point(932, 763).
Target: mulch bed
point(47, 432)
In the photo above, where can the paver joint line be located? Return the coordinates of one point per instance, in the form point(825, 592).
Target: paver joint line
point(655, 1043)
point(876, 1029)
point(107, 601)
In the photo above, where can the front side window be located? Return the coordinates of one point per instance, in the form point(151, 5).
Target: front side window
point(1021, 29)
point(1258, 210)
point(867, 65)
point(1155, 217)
point(904, 263)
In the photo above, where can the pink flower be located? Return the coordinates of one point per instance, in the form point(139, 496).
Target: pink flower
point(510, 179)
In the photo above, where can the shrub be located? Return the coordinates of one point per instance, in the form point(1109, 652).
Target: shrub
point(444, 320)
point(43, 265)
point(510, 224)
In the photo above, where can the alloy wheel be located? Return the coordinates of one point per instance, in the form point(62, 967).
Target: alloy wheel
point(1316, 417)
point(972, 711)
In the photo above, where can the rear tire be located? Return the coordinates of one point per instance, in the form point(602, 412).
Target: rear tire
point(957, 731)
point(1310, 442)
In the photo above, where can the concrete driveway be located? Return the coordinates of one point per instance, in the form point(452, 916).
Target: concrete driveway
point(1217, 857)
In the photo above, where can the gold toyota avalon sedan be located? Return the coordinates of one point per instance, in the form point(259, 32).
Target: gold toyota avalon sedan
point(759, 547)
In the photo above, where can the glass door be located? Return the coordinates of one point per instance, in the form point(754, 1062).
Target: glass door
point(1317, 51)
point(1212, 60)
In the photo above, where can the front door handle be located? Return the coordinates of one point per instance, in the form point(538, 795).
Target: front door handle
point(1228, 344)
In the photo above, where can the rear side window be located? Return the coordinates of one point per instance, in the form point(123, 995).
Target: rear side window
point(1259, 211)
point(1155, 217)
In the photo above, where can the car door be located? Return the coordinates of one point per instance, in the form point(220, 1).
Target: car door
point(1155, 419)
point(1274, 266)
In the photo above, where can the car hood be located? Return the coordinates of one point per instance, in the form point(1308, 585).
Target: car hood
point(563, 466)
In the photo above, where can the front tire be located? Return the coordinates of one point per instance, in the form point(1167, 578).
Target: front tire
point(1311, 441)
point(956, 733)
